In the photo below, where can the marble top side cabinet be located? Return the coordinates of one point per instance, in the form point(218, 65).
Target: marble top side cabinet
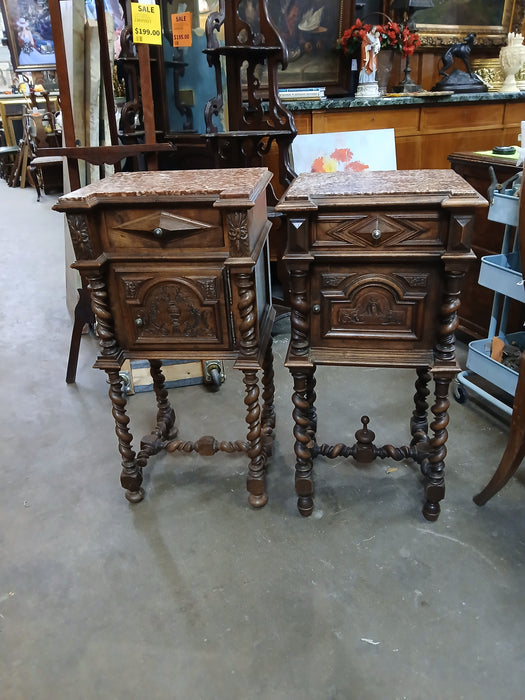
point(177, 264)
point(376, 263)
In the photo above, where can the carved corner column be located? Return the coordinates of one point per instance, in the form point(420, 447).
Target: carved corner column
point(298, 262)
point(110, 359)
point(302, 370)
point(241, 270)
point(445, 369)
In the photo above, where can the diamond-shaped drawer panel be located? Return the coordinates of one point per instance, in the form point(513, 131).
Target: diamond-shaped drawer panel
point(379, 230)
point(163, 229)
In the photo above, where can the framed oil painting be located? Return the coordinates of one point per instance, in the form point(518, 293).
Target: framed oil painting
point(450, 20)
point(29, 34)
point(310, 29)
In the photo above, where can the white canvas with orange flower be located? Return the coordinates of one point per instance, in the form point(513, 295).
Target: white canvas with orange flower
point(345, 151)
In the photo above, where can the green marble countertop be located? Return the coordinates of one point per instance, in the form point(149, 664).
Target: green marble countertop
point(333, 103)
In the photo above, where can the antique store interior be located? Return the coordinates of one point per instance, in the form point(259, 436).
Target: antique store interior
point(203, 580)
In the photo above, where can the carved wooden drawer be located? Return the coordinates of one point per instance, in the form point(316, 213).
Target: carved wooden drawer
point(374, 306)
point(163, 229)
point(170, 307)
point(379, 230)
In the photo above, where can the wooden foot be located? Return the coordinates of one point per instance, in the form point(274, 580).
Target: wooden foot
point(258, 501)
point(431, 508)
point(135, 496)
point(305, 504)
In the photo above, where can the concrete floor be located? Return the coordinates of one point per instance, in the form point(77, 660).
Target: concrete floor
point(191, 594)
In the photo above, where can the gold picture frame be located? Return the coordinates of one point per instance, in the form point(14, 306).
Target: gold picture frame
point(29, 35)
point(313, 56)
point(448, 22)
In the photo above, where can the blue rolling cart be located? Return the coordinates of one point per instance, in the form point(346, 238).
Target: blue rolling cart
point(503, 274)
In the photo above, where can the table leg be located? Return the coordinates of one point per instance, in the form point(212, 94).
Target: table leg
point(515, 450)
point(419, 420)
point(268, 408)
point(257, 467)
point(434, 467)
point(155, 441)
point(165, 413)
point(131, 475)
point(83, 315)
point(304, 416)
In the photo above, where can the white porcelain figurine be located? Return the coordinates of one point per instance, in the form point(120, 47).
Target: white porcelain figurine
point(512, 58)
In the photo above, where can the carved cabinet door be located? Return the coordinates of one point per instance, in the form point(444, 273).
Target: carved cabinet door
point(376, 306)
point(169, 306)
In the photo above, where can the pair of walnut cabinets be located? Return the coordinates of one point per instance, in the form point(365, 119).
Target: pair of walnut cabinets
point(178, 268)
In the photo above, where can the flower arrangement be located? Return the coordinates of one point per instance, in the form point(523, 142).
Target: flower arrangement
point(391, 35)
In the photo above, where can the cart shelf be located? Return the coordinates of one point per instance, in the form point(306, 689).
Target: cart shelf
point(503, 274)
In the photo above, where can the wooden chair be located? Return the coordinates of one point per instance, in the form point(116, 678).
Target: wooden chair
point(47, 172)
point(8, 155)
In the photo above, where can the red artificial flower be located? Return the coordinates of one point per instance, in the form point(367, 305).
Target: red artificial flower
point(391, 35)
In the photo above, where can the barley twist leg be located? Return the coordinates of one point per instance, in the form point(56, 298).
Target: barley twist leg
point(434, 467)
point(257, 467)
point(165, 413)
point(268, 393)
point(419, 420)
point(304, 419)
point(131, 475)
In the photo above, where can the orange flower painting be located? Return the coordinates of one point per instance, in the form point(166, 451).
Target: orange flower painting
point(340, 157)
point(347, 151)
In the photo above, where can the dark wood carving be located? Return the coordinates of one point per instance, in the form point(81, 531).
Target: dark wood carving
point(257, 119)
point(238, 234)
point(375, 281)
point(157, 294)
point(78, 230)
point(174, 309)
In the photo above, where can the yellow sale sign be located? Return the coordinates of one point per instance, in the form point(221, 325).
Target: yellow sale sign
point(145, 20)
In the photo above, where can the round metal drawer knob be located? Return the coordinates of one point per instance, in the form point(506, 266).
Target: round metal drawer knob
point(376, 234)
point(158, 232)
point(316, 309)
point(139, 321)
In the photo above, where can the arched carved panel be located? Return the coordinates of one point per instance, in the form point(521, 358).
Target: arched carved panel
point(371, 304)
point(169, 308)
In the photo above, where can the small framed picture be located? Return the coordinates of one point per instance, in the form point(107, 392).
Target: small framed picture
point(29, 34)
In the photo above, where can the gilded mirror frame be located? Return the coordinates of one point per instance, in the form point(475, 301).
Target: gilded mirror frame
point(441, 35)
